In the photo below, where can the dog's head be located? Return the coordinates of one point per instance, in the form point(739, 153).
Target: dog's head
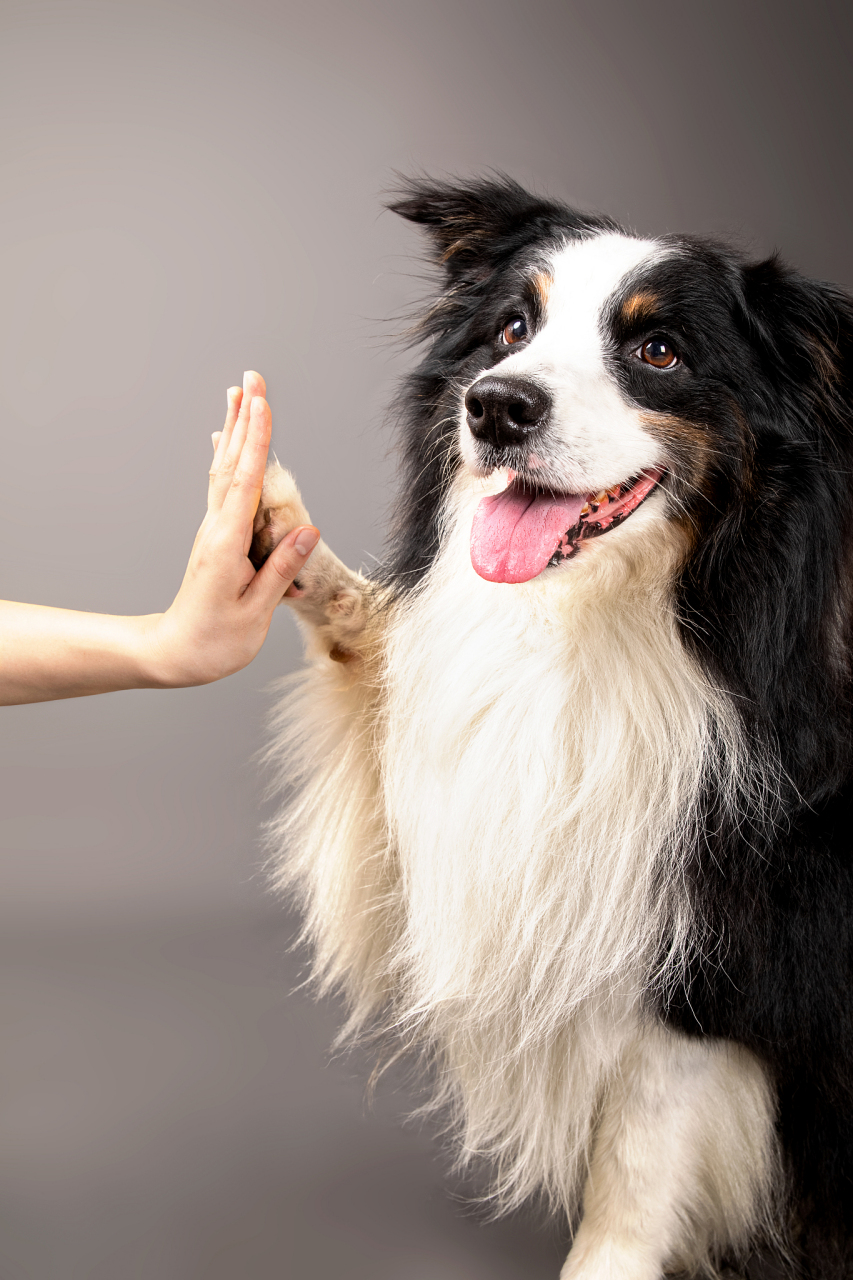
point(599, 372)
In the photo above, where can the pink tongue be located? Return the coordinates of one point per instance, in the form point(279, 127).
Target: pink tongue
point(514, 533)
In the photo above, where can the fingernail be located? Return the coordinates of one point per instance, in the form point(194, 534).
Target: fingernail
point(306, 541)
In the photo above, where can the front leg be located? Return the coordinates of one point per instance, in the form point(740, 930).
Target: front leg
point(684, 1166)
point(330, 600)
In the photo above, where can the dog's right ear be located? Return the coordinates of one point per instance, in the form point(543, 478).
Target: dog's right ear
point(474, 225)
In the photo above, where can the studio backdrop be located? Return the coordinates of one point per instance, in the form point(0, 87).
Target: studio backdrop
point(188, 189)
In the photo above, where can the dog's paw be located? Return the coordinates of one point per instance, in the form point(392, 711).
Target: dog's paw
point(326, 595)
point(280, 509)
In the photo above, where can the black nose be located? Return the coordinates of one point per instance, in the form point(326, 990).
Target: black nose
point(505, 411)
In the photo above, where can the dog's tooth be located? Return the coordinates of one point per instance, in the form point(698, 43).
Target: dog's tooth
point(615, 491)
point(585, 509)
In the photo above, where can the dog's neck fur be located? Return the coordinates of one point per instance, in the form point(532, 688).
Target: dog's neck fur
point(543, 753)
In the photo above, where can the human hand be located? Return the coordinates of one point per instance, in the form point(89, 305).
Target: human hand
point(222, 612)
point(219, 618)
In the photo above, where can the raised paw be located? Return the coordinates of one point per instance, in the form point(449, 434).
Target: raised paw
point(280, 509)
point(327, 596)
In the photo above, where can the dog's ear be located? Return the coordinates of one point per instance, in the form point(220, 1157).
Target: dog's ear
point(475, 225)
point(804, 332)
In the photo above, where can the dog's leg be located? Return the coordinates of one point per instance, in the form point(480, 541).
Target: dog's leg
point(332, 846)
point(684, 1164)
point(327, 596)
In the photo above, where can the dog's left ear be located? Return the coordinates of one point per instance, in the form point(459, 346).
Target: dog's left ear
point(474, 225)
point(804, 331)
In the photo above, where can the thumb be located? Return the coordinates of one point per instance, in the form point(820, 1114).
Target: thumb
point(283, 565)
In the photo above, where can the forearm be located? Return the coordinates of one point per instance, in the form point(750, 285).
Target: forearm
point(50, 653)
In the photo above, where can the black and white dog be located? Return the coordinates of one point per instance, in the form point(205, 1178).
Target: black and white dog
point(574, 772)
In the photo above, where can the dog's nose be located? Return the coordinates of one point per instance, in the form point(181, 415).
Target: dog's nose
point(505, 411)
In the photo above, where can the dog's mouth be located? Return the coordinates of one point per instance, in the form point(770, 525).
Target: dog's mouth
point(521, 531)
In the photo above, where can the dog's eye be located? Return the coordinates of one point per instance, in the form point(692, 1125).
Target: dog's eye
point(657, 352)
point(514, 331)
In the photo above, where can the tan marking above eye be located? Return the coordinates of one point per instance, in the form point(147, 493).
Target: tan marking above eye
point(640, 306)
point(658, 353)
point(542, 284)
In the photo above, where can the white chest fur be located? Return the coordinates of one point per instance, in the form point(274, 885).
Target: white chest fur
point(543, 748)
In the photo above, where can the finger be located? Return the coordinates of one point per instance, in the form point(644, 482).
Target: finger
point(241, 500)
point(221, 439)
point(235, 399)
point(289, 557)
point(253, 384)
point(229, 453)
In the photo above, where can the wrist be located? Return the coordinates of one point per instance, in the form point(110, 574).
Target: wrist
point(177, 652)
point(158, 654)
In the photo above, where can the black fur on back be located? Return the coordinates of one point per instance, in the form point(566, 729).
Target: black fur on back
point(764, 604)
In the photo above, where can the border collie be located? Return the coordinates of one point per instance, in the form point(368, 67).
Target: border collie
point(572, 774)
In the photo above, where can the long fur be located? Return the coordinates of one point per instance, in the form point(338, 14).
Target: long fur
point(582, 838)
point(541, 910)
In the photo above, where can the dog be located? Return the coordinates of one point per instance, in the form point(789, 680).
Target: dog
point(570, 776)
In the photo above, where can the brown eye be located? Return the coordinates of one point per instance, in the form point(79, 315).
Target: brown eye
point(514, 331)
point(659, 353)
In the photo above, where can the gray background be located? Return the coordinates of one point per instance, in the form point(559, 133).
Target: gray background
point(188, 190)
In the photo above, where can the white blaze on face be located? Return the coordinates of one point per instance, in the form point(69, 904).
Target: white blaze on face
point(594, 438)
